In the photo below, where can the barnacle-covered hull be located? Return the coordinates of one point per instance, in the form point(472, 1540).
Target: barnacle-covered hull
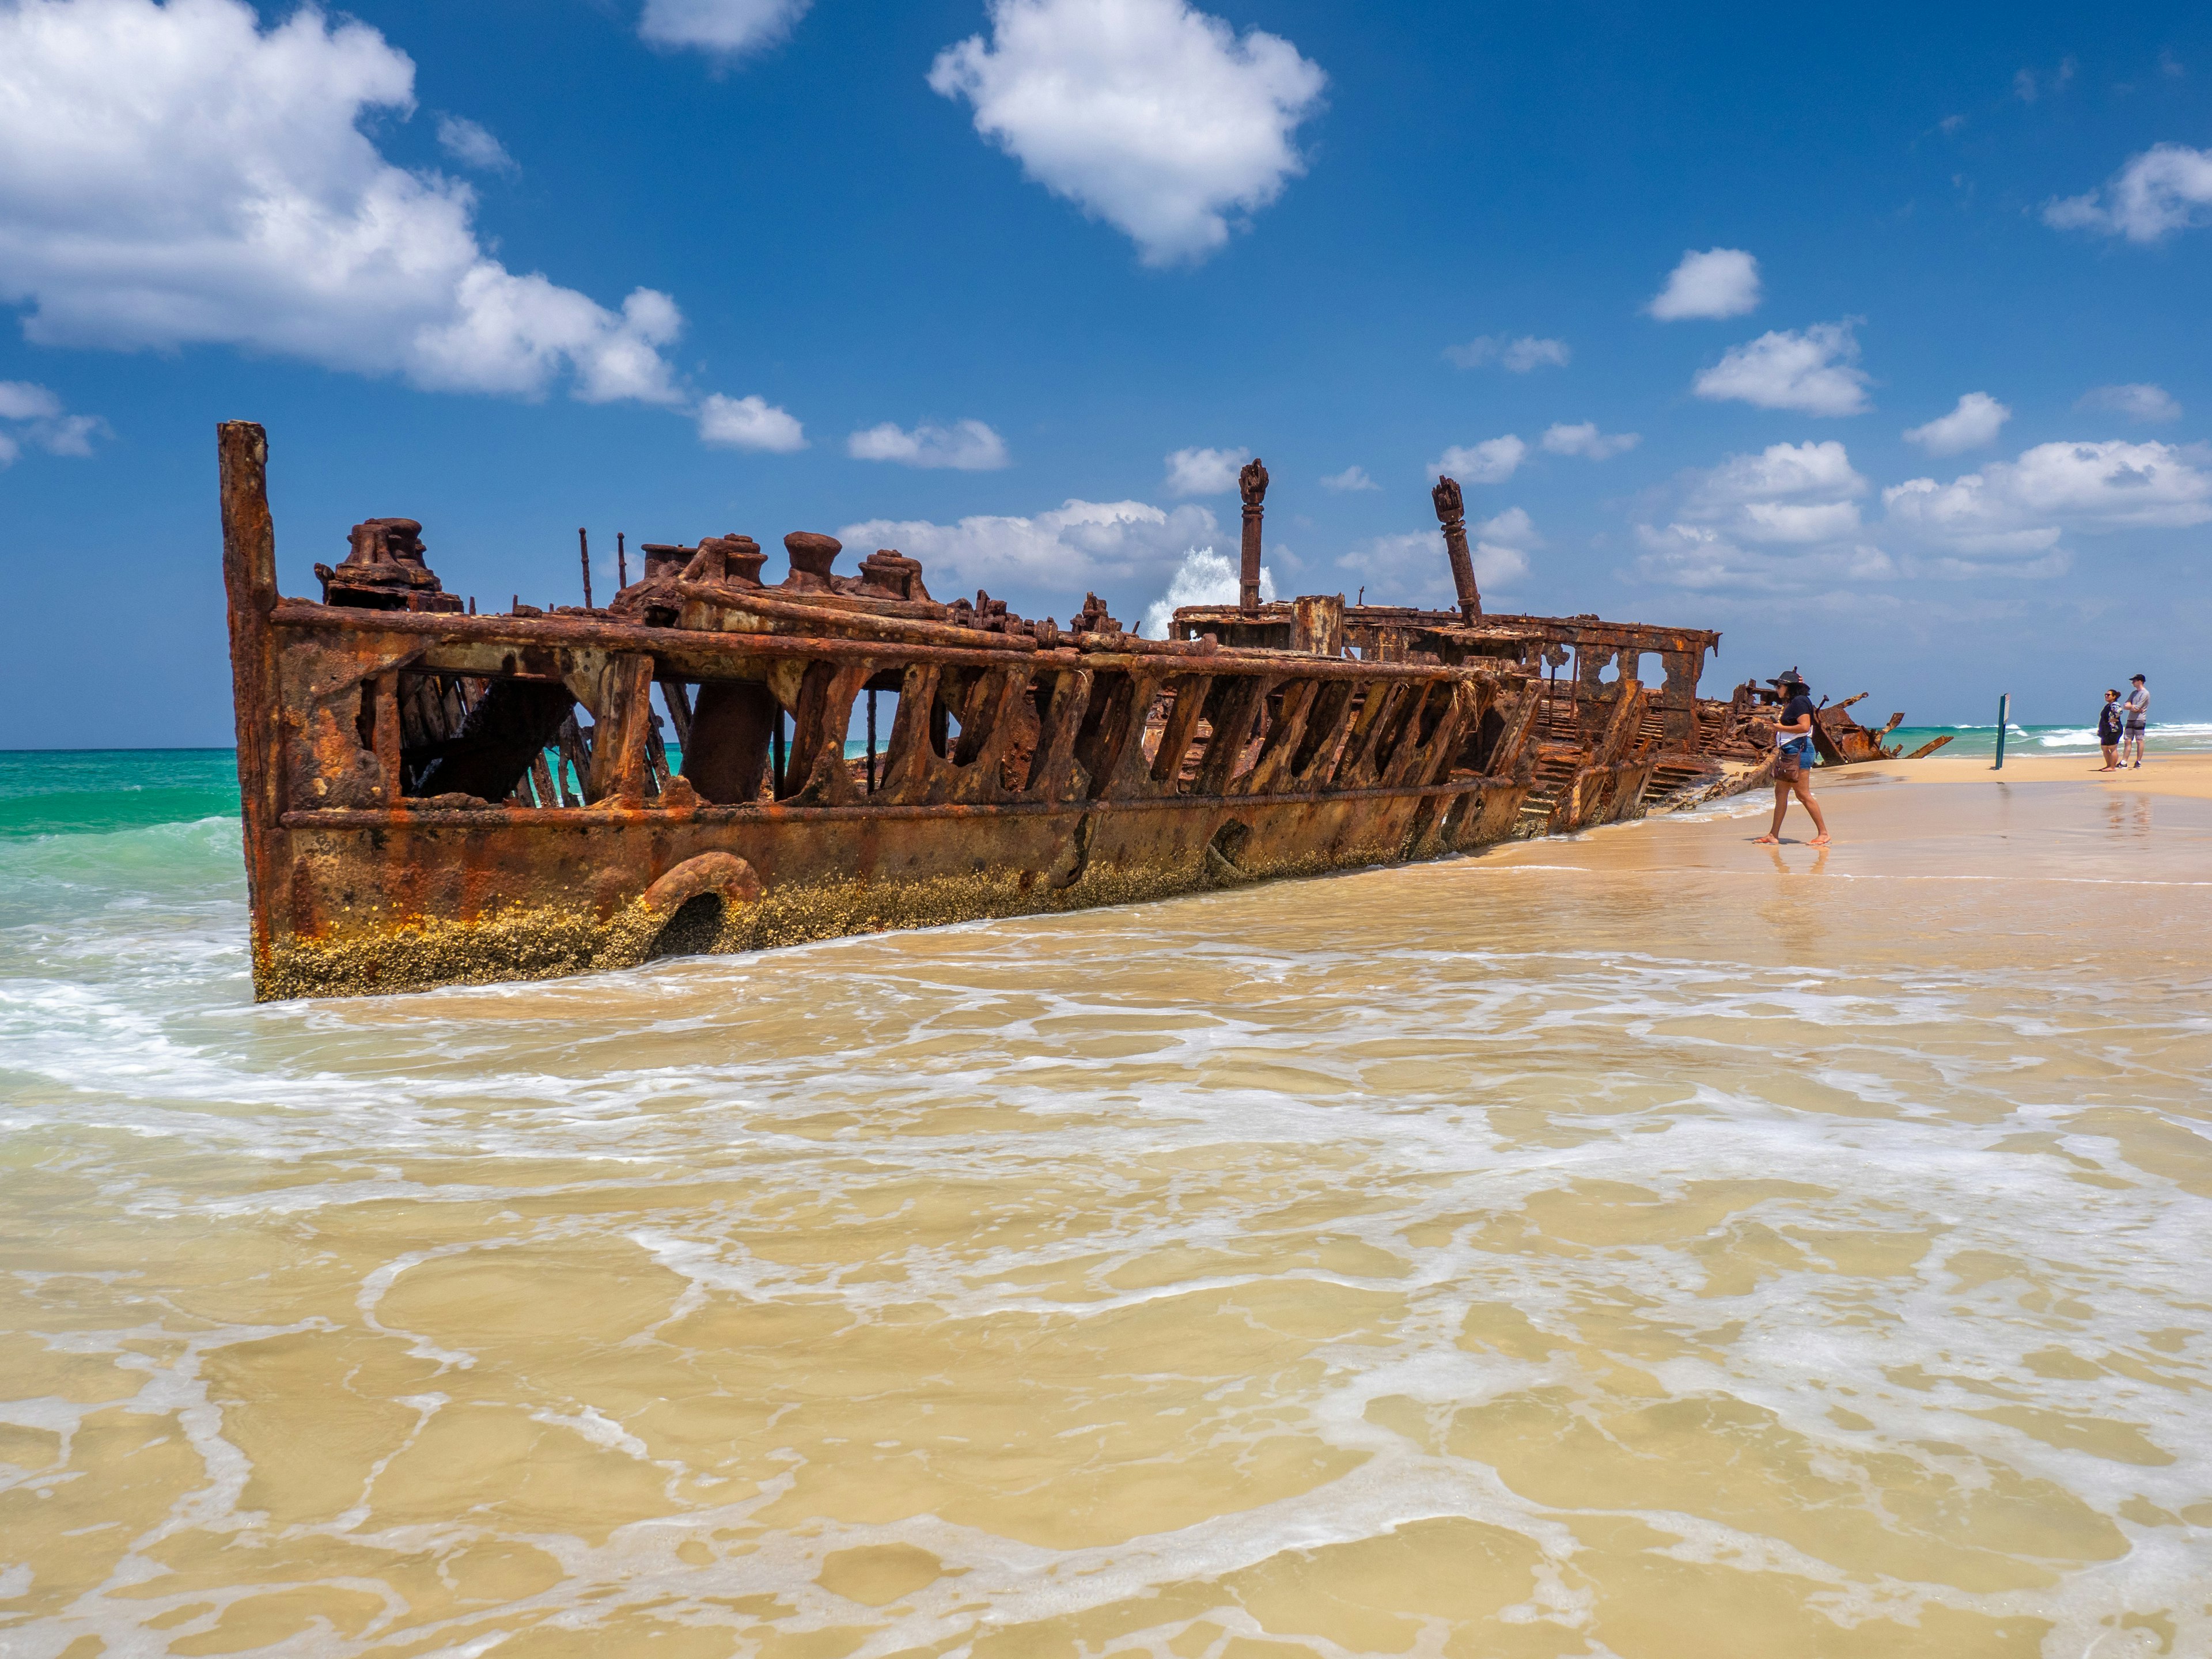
point(378, 904)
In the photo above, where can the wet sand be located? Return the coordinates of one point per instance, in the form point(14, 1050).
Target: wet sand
point(1651, 1245)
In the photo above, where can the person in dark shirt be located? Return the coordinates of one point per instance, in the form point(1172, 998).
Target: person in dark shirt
point(1793, 758)
point(2108, 731)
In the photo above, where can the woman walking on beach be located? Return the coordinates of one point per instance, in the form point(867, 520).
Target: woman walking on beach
point(2108, 731)
point(1793, 759)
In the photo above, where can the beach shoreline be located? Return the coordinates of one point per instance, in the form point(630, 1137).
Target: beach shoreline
point(2183, 775)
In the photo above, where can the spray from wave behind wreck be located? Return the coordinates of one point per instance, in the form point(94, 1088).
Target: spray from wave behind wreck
point(1517, 1254)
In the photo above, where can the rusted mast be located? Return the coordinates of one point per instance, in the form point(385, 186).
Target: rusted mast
point(1451, 513)
point(1252, 482)
point(584, 552)
point(249, 581)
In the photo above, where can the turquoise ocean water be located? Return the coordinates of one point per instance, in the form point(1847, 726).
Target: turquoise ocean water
point(2189, 737)
point(99, 791)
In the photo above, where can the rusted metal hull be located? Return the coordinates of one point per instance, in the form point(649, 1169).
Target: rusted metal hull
point(434, 798)
point(424, 805)
point(397, 900)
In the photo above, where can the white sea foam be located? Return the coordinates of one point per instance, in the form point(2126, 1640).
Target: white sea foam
point(1941, 1141)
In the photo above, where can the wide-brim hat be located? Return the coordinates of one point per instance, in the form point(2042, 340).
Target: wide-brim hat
point(1787, 677)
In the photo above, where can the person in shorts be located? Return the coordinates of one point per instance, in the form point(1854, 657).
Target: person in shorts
point(2136, 709)
point(1793, 758)
point(2110, 724)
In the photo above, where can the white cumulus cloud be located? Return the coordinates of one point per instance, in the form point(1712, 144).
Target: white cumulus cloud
point(749, 423)
point(1515, 356)
point(1780, 521)
point(1502, 545)
point(1204, 577)
point(1788, 493)
point(965, 446)
point(1497, 566)
point(1815, 373)
point(1585, 438)
point(72, 434)
point(1972, 425)
point(1412, 568)
point(1054, 555)
point(2138, 401)
point(473, 146)
point(1788, 519)
point(172, 175)
point(1705, 559)
point(724, 29)
point(1491, 461)
point(1511, 528)
point(1150, 115)
point(2167, 188)
point(19, 400)
point(1352, 478)
point(1204, 471)
point(1721, 281)
point(2012, 508)
point(36, 417)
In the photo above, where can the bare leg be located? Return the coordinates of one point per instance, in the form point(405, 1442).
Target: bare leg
point(1781, 806)
point(1803, 785)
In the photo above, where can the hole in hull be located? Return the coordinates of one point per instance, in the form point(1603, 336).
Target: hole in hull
point(692, 931)
point(364, 723)
point(1224, 851)
point(1486, 734)
point(1067, 871)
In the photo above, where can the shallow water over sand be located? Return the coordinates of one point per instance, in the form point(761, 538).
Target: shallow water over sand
point(1646, 1245)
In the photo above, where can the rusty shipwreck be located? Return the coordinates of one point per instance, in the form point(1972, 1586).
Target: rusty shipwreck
point(432, 796)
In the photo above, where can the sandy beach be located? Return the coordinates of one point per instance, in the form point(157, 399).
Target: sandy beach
point(2189, 775)
point(1647, 1244)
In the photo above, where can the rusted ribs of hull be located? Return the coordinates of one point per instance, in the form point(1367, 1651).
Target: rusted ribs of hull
point(433, 796)
point(1742, 728)
point(1610, 717)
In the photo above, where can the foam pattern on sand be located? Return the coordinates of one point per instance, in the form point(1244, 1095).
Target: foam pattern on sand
point(1635, 1246)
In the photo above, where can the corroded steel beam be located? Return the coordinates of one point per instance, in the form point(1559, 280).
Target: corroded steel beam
point(1252, 486)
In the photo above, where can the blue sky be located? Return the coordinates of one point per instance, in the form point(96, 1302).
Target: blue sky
point(1011, 286)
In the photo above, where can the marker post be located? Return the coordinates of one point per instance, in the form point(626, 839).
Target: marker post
point(2004, 719)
